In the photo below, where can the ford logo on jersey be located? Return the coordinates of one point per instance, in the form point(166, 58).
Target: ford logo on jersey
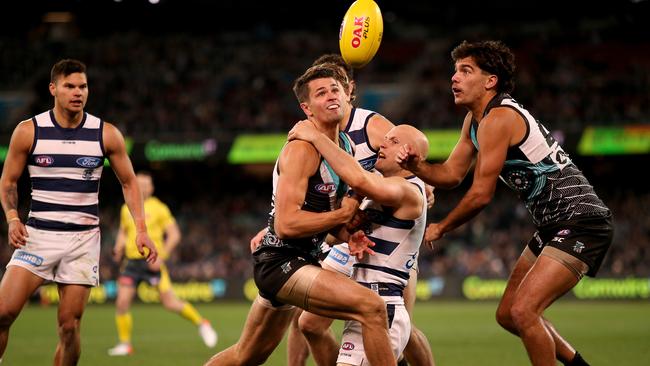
point(88, 162)
point(44, 160)
point(326, 187)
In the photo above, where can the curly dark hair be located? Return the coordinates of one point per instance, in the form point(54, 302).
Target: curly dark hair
point(493, 57)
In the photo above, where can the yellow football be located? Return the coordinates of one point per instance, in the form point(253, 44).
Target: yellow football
point(360, 33)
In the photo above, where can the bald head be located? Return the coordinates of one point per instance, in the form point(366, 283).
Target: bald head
point(410, 135)
point(395, 139)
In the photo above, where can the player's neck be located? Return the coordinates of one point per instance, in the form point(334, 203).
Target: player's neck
point(67, 119)
point(478, 108)
point(346, 117)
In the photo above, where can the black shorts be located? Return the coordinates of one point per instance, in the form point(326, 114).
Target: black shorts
point(274, 266)
point(587, 239)
point(135, 271)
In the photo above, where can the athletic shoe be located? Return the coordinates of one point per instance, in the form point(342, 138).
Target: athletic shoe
point(208, 334)
point(122, 349)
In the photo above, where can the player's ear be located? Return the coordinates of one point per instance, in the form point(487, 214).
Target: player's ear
point(305, 108)
point(52, 88)
point(491, 82)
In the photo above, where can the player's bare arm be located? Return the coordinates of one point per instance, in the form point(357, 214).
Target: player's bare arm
point(120, 243)
point(257, 239)
point(19, 146)
point(172, 237)
point(496, 133)
point(446, 175)
point(378, 126)
point(121, 164)
point(298, 161)
point(394, 191)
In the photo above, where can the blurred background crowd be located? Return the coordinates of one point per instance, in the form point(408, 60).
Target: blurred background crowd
point(216, 75)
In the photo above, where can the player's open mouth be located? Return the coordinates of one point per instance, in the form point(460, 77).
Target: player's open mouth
point(333, 106)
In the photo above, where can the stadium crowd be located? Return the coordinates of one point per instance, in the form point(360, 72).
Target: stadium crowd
point(185, 86)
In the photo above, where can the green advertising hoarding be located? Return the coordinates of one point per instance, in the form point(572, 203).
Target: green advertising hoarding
point(265, 148)
point(615, 140)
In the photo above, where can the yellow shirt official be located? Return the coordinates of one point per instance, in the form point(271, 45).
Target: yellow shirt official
point(157, 217)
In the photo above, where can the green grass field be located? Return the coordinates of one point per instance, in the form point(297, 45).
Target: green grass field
point(461, 333)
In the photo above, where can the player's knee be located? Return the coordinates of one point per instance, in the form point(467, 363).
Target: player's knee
point(373, 310)
point(68, 328)
point(7, 316)
point(522, 315)
point(308, 327)
point(504, 319)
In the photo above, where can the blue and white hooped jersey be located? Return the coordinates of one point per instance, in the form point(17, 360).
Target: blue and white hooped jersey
point(551, 186)
point(397, 244)
point(65, 166)
point(356, 129)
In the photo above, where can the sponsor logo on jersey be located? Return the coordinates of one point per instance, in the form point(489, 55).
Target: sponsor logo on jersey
point(563, 232)
point(89, 161)
point(30, 258)
point(347, 346)
point(44, 160)
point(368, 163)
point(325, 187)
point(578, 247)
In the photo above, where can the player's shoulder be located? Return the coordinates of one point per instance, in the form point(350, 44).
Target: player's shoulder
point(299, 154)
point(501, 117)
point(23, 134)
point(155, 203)
point(294, 147)
point(25, 126)
point(110, 127)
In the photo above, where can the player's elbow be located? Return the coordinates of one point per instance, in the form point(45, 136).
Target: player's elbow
point(283, 229)
point(481, 198)
point(450, 183)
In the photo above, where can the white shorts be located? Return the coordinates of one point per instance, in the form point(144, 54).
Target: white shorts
point(340, 260)
point(352, 352)
point(61, 256)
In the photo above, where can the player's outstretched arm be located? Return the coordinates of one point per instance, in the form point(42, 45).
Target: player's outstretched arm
point(448, 174)
point(19, 146)
point(494, 136)
point(121, 164)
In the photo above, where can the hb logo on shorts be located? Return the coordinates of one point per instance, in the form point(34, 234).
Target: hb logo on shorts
point(30, 258)
point(286, 268)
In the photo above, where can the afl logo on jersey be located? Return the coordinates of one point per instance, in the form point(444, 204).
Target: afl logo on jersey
point(347, 346)
point(88, 162)
point(326, 187)
point(44, 160)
